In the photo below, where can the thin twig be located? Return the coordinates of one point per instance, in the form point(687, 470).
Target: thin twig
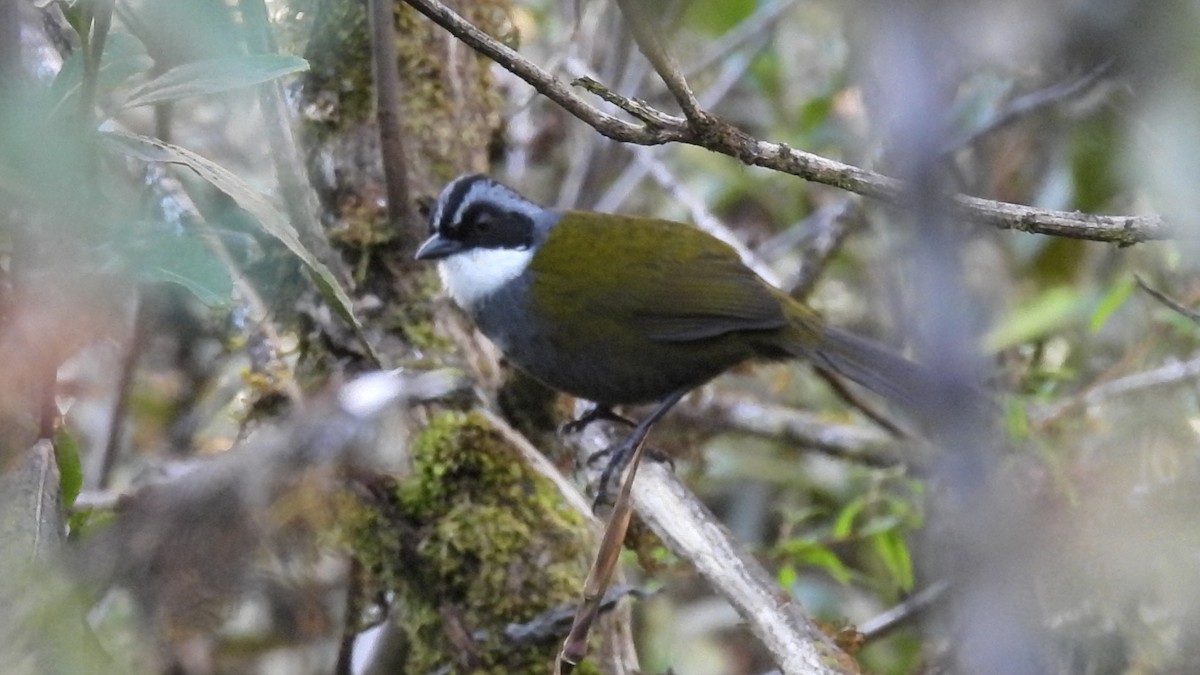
point(904, 612)
point(1168, 375)
point(645, 33)
point(823, 232)
point(1030, 103)
point(723, 138)
point(550, 86)
point(701, 216)
point(98, 21)
point(133, 351)
point(620, 188)
point(757, 26)
point(843, 392)
point(354, 592)
point(1190, 314)
point(595, 587)
point(855, 443)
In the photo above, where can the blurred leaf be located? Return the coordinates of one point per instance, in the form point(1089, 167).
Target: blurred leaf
point(802, 552)
point(1058, 261)
point(1047, 312)
point(214, 76)
point(1112, 300)
point(788, 576)
point(885, 523)
point(183, 260)
point(124, 57)
point(814, 113)
point(1094, 152)
point(980, 98)
point(1016, 419)
point(70, 468)
point(893, 551)
point(718, 16)
point(843, 527)
point(269, 218)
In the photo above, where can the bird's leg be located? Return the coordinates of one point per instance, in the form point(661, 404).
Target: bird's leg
point(596, 413)
point(625, 450)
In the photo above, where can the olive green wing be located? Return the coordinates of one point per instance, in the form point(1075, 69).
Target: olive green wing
point(671, 281)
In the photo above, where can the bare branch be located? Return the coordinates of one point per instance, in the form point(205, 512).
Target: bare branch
point(754, 27)
point(723, 138)
point(645, 33)
point(552, 87)
point(822, 234)
point(897, 616)
point(1031, 103)
point(692, 532)
point(391, 135)
point(1171, 374)
point(1190, 314)
point(689, 530)
point(862, 444)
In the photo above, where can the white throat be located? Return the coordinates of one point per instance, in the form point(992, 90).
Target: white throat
point(473, 275)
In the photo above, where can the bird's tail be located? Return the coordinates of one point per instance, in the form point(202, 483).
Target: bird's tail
point(912, 386)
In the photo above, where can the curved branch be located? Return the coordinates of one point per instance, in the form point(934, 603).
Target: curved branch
point(689, 530)
point(721, 137)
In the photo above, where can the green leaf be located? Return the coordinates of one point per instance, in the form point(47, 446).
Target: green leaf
point(816, 555)
point(183, 260)
point(1016, 419)
point(1095, 149)
point(844, 525)
point(788, 576)
point(815, 112)
point(1112, 300)
point(719, 16)
point(1047, 312)
point(890, 522)
point(124, 56)
point(893, 552)
point(269, 218)
point(70, 468)
point(214, 76)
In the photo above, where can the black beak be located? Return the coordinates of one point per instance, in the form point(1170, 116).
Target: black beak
point(438, 247)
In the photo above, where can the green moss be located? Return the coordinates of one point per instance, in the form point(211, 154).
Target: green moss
point(339, 56)
point(447, 130)
point(475, 531)
point(414, 317)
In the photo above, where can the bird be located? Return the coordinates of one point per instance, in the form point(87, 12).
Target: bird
point(623, 310)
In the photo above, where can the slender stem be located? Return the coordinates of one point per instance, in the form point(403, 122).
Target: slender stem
point(137, 339)
point(388, 106)
point(101, 21)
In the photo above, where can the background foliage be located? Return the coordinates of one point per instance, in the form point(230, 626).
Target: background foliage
point(187, 284)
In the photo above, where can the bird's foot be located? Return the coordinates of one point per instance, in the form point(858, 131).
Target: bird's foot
point(618, 457)
point(596, 413)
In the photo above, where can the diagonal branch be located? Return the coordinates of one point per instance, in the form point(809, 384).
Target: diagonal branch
point(723, 138)
point(549, 85)
point(645, 33)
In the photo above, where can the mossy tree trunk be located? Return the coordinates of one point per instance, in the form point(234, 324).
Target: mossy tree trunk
point(473, 541)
